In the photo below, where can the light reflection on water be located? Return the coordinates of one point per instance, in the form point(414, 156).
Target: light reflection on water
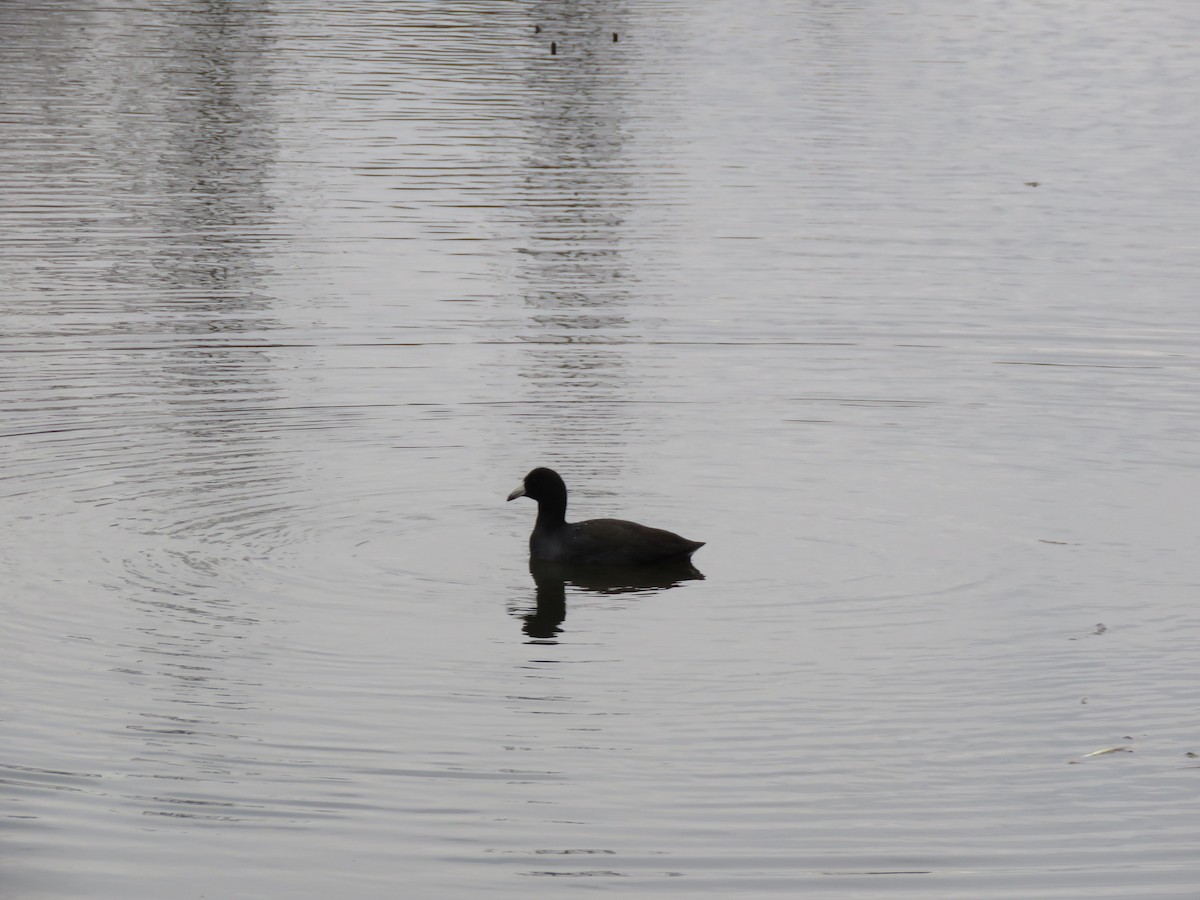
point(291, 298)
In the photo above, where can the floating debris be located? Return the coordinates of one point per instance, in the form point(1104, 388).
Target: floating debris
point(1032, 183)
point(1105, 751)
point(1124, 748)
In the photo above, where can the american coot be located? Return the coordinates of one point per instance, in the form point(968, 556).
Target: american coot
point(596, 542)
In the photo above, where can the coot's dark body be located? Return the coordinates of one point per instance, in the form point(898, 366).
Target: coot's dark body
point(596, 542)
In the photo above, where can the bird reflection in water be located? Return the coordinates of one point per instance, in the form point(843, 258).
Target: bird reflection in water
point(552, 578)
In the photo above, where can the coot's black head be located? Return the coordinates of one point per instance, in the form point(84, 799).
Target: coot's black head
point(541, 484)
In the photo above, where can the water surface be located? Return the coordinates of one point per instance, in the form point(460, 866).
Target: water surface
point(893, 308)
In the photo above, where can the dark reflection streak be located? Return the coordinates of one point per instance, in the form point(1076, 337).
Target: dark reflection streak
point(176, 147)
point(572, 207)
point(558, 341)
point(213, 173)
point(205, 272)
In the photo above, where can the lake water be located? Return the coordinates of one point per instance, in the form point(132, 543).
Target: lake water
point(894, 306)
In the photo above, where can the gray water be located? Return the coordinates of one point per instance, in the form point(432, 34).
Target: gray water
point(894, 306)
